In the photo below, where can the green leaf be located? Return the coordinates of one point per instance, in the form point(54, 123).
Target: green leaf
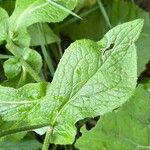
point(143, 49)
point(92, 79)
point(26, 12)
point(122, 11)
point(21, 104)
point(8, 5)
point(12, 138)
point(30, 144)
point(127, 128)
point(3, 24)
point(18, 81)
point(20, 37)
point(85, 3)
point(12, 67)
point(47, 36)
point(33, 58)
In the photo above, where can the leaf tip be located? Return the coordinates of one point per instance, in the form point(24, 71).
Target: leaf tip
point(140, 23)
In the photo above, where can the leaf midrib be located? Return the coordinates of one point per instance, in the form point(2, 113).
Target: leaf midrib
point(67, 102)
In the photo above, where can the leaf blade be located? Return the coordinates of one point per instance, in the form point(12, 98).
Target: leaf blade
point(17, 104)
point(25, 12)
point(90, 82)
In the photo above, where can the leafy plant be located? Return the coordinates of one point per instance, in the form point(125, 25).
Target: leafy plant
point(92, 78)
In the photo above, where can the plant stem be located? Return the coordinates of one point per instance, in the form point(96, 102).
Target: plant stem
point(5, 56)
point(46, 55)
point(54, 147)
point(104, 13)
point(60, 49)
point(25, 128)
point(30, 70)
point(65, 147)
point(47, 139)
point(84, 14)
point(48, 60)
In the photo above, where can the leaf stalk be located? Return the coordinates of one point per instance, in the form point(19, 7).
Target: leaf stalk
point(47, 139)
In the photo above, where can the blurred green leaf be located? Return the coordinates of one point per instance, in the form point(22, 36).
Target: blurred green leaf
point(47, 36)
point(143, 44)
point(25, 144)
point(127, 128)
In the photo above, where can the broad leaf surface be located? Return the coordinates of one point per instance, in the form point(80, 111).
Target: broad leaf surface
point(22, 105)
point(32, 11)
point(127, 128)
point(92, 79)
